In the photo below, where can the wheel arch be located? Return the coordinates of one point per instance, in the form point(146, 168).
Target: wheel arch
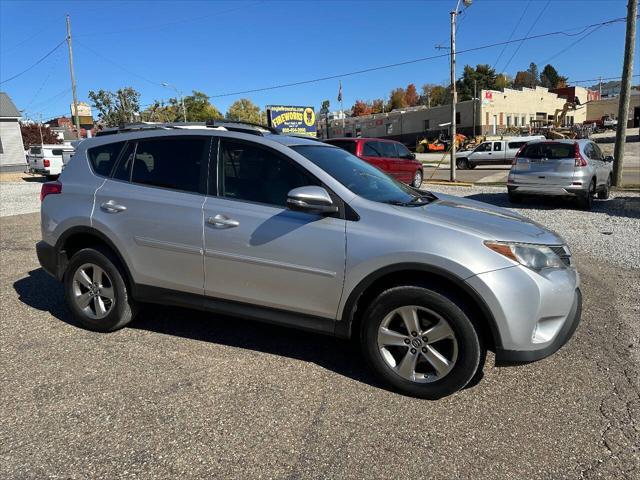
point(79, 237)
point(430, 276)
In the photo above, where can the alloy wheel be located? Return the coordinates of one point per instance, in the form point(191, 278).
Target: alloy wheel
point(417, 179)
point(417, 344)
point(93, 291)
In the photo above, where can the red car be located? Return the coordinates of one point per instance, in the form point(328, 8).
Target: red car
point(389, 156)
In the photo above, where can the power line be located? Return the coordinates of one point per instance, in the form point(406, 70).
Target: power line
point(527, 34)
point(512, 33)
point(417, 60)
point(36, 63)
point(599, 79)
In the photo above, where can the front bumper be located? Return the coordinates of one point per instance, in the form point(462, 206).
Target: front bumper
point(534, 313)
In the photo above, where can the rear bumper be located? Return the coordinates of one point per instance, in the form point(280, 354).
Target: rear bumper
point(516, 357)
point(551, 190)
point(48, 258)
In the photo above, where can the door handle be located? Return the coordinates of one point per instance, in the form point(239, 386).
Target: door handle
point(222, 221)
point(112, 207)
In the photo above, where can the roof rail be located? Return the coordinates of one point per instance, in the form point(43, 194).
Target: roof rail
point(132, 127)
point(241, 126)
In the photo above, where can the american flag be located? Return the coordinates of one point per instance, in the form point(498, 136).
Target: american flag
point(340, 92)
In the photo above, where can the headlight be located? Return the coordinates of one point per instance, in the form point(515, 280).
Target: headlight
point(535, 257)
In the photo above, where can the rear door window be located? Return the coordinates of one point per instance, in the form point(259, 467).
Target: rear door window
point(371, 149)
point(388, 150)
point(104, 157)
point(175, 163)
point(345, 145)
point(497, 146)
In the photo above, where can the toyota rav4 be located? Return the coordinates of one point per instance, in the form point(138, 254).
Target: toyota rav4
point(238, 220)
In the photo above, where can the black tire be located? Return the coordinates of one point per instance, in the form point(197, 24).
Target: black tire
point(585, 201)
point(470, 165)
point(123, 308)
point(604, 193)
point(469, 346)
point(462, 163)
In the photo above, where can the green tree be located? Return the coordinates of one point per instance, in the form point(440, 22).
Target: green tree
point(245, 110)
point(435, 95)
point(503, 81)
point(534, 77)
point(117, 107)
point(550, 78)
point(484, 77)
point(198, 108)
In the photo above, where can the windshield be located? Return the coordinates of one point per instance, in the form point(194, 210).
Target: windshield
point(357, 175)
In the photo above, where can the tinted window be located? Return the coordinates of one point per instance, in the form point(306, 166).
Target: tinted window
point(103, 158)
point(515, 145)
point(548, 150)
point(256, 174)
point(403, 152)
point(497, 146)
point(57, 152)
point(357, 175)
point(597, 152)
point(170, 163)
point(35, 150)
point(123, 170)
point(371, 149)
point(388, 149)
point(483, 147)
point(346, 145)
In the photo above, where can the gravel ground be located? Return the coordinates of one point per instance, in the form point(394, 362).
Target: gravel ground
point(19, 197)
point(609, 233)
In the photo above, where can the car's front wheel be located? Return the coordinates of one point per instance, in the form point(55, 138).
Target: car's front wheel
point(96, 292)
point(462, 163)
point(605, 192)
point(420, 342)
point(417, 179)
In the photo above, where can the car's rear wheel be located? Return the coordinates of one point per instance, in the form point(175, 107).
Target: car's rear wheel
point(604, 193)
point(586, 200)
point(96, 292)
point(420, 342)
point(462, 163)
point(417, 179)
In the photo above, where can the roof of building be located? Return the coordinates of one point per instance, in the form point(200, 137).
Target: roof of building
point(7, 107)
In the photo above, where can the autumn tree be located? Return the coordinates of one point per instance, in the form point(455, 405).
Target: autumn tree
point(31, 135)
point(377, 106)
point(117, 107)
point(396, 99)
point(245, 110)
point(360, 108)
point(411, 97)
point(503, 81)
point(522, 79)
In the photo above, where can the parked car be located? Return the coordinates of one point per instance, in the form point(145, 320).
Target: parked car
point(388, 155)
point(288, 230)
point(568, 168)
point(47, 159)
point(493, 152)
point(606, 122)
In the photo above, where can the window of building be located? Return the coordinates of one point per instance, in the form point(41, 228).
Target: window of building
point(104, 157)
point(508, 120)
point(389, 128)
point(174, 163)
point(256, 174)
point(426, 125)
point(458, 118)
point(1, 147)
point(515, 120)
point(524, 120)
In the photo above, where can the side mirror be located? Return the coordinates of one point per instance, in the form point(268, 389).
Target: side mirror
point(411, 156)
point(311, 199)
point(608, 158)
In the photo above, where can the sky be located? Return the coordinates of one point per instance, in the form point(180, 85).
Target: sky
point(221, 47)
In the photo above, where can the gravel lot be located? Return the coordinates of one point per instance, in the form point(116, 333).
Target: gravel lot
point(20, 196)
point(185, 394)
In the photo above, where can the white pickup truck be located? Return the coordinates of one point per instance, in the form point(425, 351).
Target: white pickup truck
point(47, 159)
point(493, 152)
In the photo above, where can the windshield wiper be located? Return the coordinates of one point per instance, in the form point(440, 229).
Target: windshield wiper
point(422, 199)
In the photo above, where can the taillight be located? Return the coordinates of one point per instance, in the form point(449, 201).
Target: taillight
point(580, 161)
point(50, 188)
point(515, 159)
point(46, 163)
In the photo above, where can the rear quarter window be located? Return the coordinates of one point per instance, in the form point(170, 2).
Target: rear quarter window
point(103, 157)
point(57, 152)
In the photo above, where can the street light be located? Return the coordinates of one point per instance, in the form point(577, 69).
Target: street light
point(454, 93)
point(184, 111)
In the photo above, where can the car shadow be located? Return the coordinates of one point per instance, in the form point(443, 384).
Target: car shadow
point(42, 292)
point(620, 206)
point(38, 179)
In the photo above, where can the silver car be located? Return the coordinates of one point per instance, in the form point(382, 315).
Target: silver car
point(241, 221)
point(567, 168)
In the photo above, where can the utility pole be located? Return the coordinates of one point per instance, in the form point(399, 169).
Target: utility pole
point(73, 78)
point(600, 88)
point(625, 87)
point(40, 125)
point(474, 106)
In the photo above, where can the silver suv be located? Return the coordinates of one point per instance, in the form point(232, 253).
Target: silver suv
point(565, 168)
point(239, 220)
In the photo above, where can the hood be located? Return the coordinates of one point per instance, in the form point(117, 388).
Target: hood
point(487, 221)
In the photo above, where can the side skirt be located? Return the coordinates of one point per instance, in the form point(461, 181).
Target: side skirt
point(300, 321)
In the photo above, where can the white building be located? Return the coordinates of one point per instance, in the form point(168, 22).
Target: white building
point(12, 156)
